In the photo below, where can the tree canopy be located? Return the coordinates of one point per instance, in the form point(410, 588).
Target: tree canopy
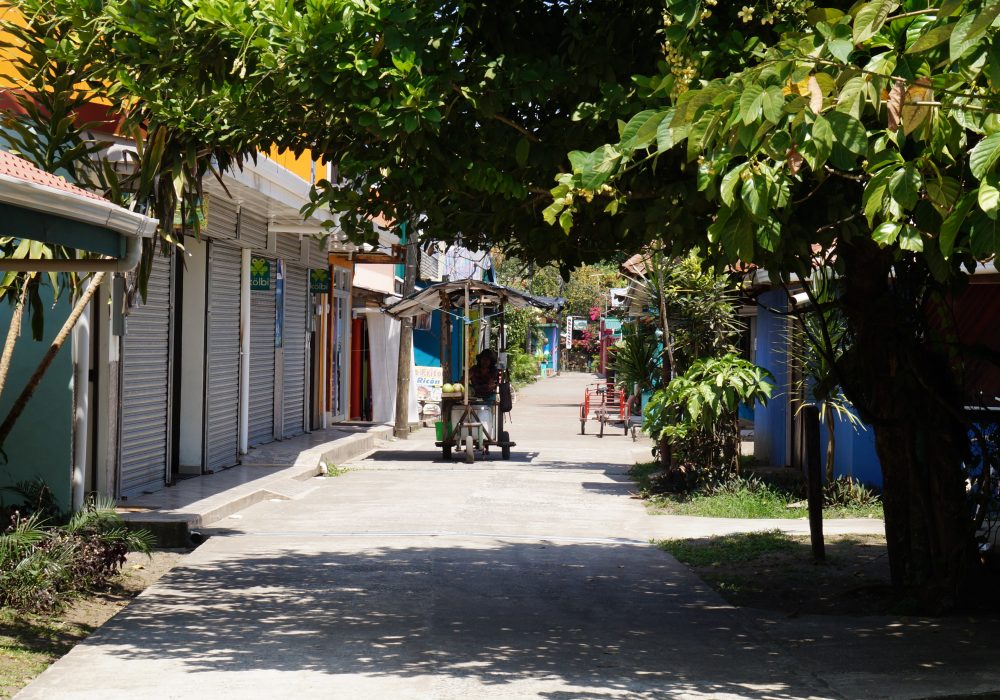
point(458, 111)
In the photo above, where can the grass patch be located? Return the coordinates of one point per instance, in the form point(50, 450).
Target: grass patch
point(332, 470)
point(29, 643)
point(747, 498)
point(728, 549)
point(776, 571)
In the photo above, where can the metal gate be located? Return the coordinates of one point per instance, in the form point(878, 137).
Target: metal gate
point(262, 308)
point(222, 366)
point(144, 442)
point(294, 366)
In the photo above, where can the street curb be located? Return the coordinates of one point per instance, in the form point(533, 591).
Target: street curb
point(173, 528)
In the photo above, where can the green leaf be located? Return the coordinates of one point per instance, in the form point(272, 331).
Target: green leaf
point(822, 132)
point(730, 180)
point(989, 197)
point(641, 129)
point(665, 134)
point(566, 221)
point(874, 196)
point(886, 234)
point(870, 18)
point(751, 103)
point(984, 156)
point(824, 14)
point(984, 235)
point(905, 184)
point(932, 38)
point(943, 193)
point(971, 28)
point(953, 223)
point(909, 239)
point(774, 104)
point(849, 132)
point(754, 194)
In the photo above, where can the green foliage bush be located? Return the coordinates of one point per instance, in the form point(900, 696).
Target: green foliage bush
point(522, 366)
point(41, 564)
point(697, 412)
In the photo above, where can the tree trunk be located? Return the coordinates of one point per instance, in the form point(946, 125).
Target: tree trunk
point(666, 358)
point(13, 332)
point(831, 443)
point(905, 388)
point(29, 389)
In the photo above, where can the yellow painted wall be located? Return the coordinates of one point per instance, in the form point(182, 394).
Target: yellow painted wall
point(300, 165)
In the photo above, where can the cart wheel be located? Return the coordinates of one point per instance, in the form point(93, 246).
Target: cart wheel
point(505, 445)
point(446, 451)
point(470, 450)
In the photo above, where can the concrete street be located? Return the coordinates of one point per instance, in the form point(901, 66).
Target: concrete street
point(408, 577)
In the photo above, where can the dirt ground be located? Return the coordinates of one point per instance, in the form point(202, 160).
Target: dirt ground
point(29, 643)
point(854, 580)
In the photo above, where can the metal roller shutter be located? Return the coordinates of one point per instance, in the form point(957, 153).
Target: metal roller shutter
point(145, 410)
point(294, 369)
point(261, 418)
point(289, 249)
point(222, 338)
point(253, 229)
point(221, 217)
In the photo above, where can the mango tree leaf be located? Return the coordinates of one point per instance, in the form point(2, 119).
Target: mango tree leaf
point(521, 152)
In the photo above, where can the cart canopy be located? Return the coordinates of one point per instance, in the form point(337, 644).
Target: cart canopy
point(480, 294)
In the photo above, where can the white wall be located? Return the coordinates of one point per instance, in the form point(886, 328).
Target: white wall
point(378, 278)
point(193, 356)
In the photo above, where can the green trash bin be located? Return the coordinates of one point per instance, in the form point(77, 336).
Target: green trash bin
point(442, 430)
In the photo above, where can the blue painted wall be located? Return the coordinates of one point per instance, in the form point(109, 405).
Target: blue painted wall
point(40, 444)
point(770, 421)
point(427, 344)
point(855, 450)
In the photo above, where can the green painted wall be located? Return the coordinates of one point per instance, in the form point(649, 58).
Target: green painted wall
point(41, 443)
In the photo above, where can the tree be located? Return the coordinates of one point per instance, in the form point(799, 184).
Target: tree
point(863, 137)
point(460, 111)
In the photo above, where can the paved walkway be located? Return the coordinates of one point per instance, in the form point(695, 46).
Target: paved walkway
point(410, 577)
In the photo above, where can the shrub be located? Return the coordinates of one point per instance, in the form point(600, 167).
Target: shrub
point(697, 413)
point(845, 492)
point(523, 367)
point(41, 564)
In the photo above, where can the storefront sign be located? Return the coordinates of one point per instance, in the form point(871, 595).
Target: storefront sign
point(428, 382)
point(319, 281)
point(580, 324)
point(260, 274)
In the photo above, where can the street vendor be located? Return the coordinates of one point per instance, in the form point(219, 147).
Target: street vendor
point(484, 375)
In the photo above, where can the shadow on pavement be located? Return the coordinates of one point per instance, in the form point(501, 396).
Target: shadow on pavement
point(602, 618)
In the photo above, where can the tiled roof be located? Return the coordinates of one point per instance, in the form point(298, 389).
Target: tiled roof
point(19, 168)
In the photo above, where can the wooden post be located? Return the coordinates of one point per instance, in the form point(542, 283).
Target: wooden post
point(445, 339)
point(402, 426)
point(814, 481)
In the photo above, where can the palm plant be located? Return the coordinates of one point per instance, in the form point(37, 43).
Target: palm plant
point(636, 359)
point(817, 340)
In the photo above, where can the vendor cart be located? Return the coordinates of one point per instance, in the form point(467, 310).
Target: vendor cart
point(472, 424)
